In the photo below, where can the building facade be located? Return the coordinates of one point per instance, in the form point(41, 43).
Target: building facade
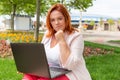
point(95, 22)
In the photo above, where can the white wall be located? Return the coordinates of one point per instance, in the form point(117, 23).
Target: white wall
point(22, 23)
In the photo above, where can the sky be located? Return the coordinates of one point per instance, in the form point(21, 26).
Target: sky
point(106, 8)
point(109, 8)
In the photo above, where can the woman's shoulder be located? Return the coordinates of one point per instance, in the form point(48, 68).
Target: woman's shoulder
point(75, 34)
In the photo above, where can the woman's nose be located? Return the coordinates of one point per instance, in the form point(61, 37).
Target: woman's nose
point(56, 22)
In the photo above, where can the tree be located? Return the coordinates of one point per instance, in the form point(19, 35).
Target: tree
point(22, 7)
point(13, 7)
point(37, 20)
point(92, 23)
point(81, 5)
point(111, 22)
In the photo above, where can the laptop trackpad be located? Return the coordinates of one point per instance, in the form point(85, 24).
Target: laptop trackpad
point(55, 71)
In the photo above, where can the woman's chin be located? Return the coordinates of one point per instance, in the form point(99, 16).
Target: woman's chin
point(59, 29)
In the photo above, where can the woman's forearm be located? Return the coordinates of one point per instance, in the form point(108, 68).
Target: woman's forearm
point(64, 51)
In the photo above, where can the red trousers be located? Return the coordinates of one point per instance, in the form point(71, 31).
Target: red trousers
point(31, 77)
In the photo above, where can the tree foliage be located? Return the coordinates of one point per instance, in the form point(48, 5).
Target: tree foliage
point(81, 4)
point(110, 21)
point(23, 7)
point(92, 22)
point(28, 7)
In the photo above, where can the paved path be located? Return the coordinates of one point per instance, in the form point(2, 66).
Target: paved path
point(102, 37)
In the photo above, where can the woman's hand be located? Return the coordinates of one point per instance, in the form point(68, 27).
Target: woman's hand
point(59, 36)
point(19, 72)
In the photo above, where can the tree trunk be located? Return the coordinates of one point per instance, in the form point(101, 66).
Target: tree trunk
point(12, 16)
point(62, 1)
point(36, 34)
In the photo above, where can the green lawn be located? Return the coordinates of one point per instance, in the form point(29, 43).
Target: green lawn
point(101, 67)
point(114, 41)
point(8, 70)
point(104, 67)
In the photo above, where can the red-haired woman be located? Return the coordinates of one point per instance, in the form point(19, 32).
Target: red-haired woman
point(64, 46)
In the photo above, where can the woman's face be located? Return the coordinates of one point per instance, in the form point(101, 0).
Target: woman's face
point(57, 20)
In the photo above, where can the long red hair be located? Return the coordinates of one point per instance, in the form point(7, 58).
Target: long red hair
point(61, 8)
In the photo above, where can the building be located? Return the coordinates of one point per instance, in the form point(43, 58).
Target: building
point(88, 22)
point(21, 22)
point(94, 22)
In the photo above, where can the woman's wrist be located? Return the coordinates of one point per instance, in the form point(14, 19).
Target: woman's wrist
point(62, 41)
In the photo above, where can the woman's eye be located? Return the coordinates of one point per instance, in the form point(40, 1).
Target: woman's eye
point(52, 20)
point(60, 18)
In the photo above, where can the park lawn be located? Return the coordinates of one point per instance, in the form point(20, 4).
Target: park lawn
point(101, 67)
point(114, 41)
point(8, 70)
point(104, 67)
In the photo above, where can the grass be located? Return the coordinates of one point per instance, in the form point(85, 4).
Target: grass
point(104, 67)
point(114, 41)
point(101, 67)
point(8, 70)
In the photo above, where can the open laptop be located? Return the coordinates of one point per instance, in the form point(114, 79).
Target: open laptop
point(31, 58)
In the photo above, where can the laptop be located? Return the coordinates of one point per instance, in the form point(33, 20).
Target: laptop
point(30, 58)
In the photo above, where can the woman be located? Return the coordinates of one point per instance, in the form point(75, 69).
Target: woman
point(64, 46)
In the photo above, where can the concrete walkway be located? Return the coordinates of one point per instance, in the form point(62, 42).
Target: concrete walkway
point(102, 37)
